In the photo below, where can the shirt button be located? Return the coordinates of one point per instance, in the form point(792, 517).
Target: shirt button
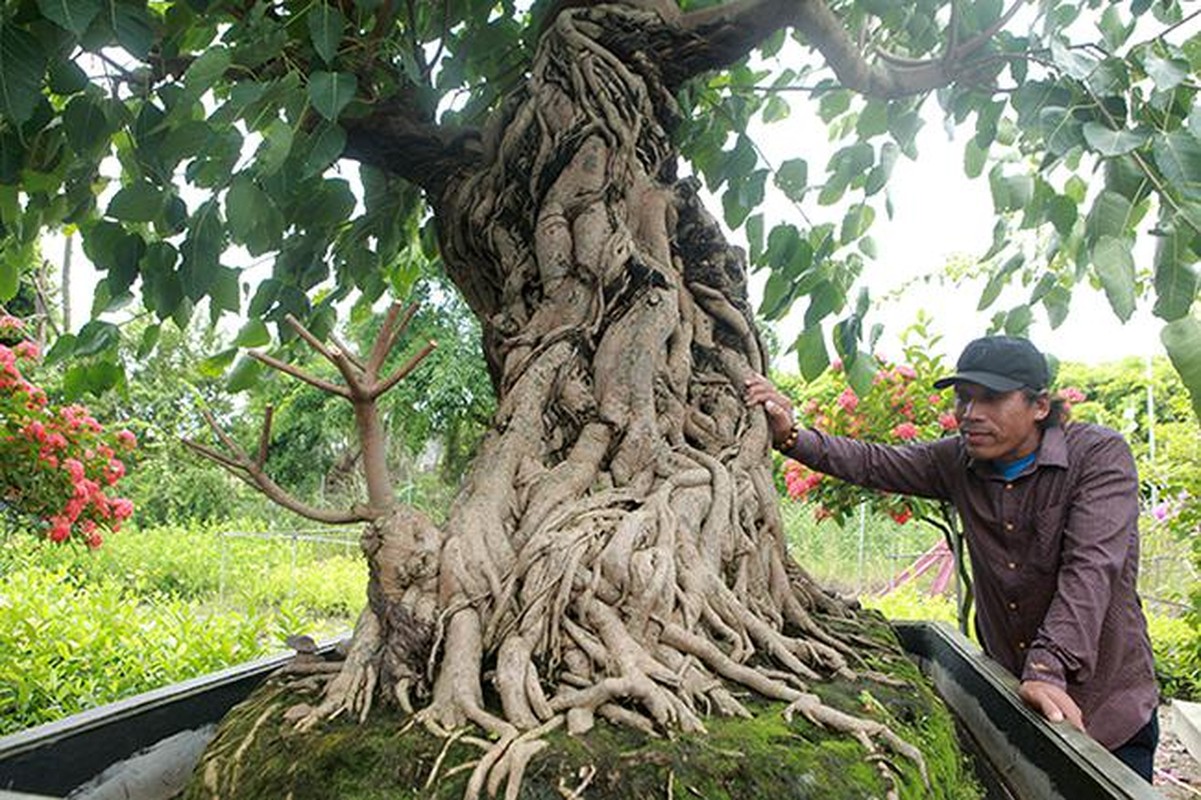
point(1008, 526)
point(1008, 486)
point(1012, 565)
point(1021, 645)
point(1013, 606)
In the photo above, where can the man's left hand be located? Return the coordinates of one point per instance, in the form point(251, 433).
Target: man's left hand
point(1052, 702)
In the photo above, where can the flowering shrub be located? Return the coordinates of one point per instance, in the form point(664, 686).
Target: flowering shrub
point(900, 407)
point(57, 464)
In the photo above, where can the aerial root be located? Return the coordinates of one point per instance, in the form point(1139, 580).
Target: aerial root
point(865, 731)
point(353, 688)
point(586, 775)
point(508, 758)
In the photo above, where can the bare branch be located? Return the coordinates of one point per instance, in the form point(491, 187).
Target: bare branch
point(388, 334)
point(240, 466)
point(288, 369)
point(403, 372)
point(307, 335)
point(265, 437)
point(348, 352)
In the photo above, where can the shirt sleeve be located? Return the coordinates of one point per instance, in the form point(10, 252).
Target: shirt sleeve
point(1101, 526)
point(912, 469)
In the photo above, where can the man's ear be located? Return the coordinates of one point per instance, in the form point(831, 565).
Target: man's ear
point(1042, 406)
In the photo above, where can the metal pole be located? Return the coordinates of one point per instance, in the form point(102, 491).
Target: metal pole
point(862, 538)
point(1151, 430)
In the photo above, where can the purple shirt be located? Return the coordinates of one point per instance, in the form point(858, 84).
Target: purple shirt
point(1054, 557)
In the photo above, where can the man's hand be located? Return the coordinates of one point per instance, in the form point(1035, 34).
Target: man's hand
point(1052, 702)
point(778, 407)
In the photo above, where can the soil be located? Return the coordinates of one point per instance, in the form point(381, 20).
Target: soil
point(1177, 774)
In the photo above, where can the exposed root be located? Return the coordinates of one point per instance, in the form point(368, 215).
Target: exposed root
point(353, 689)
point(866, 731)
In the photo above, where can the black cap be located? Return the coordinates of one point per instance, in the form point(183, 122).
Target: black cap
point(1000, 363)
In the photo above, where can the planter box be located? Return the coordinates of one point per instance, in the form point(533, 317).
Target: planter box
point(1018, 755)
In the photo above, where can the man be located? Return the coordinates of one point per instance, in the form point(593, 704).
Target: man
point(1050, 516)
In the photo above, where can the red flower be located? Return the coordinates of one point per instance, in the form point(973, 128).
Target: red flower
point(906, 431)
point(947, 421)
point(848, 399)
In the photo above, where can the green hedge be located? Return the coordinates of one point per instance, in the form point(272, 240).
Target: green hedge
point(81, 628)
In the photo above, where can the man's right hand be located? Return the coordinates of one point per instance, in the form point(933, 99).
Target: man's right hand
point(1052, 702)
point(760, 391)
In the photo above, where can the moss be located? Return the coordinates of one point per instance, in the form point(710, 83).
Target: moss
point(259, 755)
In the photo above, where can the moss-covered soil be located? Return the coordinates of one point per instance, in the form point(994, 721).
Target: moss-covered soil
point(257, 754)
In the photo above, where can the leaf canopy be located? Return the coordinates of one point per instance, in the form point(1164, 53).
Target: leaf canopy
point(170, 134)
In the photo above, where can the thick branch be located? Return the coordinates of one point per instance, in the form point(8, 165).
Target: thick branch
point(719, 35)
point(396, 141)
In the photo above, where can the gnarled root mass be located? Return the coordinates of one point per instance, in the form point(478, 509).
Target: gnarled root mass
point(617, 550)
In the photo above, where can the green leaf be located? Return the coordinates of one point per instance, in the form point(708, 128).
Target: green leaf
point(974, 159)
point(149, 341)
point(1063, 213)
point(253, 334)
point(1178, 156)
point(1176, 279)
point(22, 64)
point(325, 145)
point(1017, 321)
point(754, 238)
point(141, 202)
point(792, 178)
point(326, 24)
point(1109, 142)
point(1109, 216)
point(86, 124)
point(215, 366)
point(1115, 268)
point(997, 281)
point(73, 15)
point(62, 349)
point(856, 223)
point(1060, 129)
point(95, 337)
point(330, 92)
point(245, 375)
point(65, 77)
point(861, 371)
point(1167, 73)
point(10, 276)
point(776, 109)
point(131, 24)
point(812, 356)
point(878, 177)
point(273, 152)
point(1182, 340)
point(1057, 302)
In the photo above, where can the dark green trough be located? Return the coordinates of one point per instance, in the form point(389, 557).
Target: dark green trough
point(1017, 755)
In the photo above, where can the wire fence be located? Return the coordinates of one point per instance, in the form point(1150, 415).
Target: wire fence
point(310, 543)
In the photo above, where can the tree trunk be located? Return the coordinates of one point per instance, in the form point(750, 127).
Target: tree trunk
point(617, 547)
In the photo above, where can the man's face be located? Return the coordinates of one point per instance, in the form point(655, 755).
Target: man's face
point(998, 425)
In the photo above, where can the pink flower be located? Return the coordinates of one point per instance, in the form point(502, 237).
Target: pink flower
point(947, 421)
point(60, 529)
point(10, 323)
point(126, 439)
point(906, 371)
point(836, 365)
point(905, 431)
point(902, 516)
point(27, 350)
point(1072, 394)
point(75, 469)
point(848, 399)
point(122, 509)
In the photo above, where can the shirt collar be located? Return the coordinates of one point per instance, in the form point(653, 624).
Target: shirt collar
point(1052, 452)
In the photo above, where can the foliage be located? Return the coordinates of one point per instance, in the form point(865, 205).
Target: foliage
point(82, 628)
point(900, 406)
point(57, 463)
point(229, 123)
point(70, 645)
point(1177, 657)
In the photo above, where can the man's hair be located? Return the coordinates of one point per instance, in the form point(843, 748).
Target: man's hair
point(1057, 415)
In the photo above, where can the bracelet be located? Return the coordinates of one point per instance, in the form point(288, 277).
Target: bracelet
point(787, 445)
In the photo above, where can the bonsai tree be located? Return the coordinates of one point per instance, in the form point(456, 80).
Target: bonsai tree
point(616, 549)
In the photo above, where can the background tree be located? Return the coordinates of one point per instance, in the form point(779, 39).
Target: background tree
point(616, 548)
